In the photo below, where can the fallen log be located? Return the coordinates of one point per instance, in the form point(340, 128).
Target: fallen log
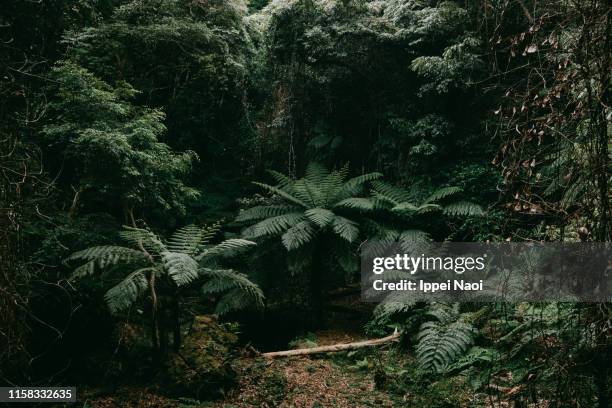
point(334, 347)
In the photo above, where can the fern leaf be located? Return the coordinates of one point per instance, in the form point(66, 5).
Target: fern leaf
point(316, 173)
point(345, 228)
point(357, 203)
point(282, 193)
point(146, 238)
point(103, 257)
point(126, 293)
point(264, 211)
point(273, 226)
point(232, 301)
point(187, 240)
point(442, 193)
point(463, 208)
point(298, 235)
point(282, 180)
point(320, 216)
point(227, 248)
point(239, 285)
point(392, 193)
point(354, 185)
point(181, 268)
point(441, 342)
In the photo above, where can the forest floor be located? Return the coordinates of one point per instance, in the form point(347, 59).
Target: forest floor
point(309, 381)
point(380, 376)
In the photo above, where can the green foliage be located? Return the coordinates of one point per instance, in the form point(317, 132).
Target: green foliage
point(309, 207)
point(442, 341)
point(187, 257)
point(189, 58)
point(111, 146)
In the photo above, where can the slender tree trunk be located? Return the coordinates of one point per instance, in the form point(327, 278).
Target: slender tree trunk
point(176, 323)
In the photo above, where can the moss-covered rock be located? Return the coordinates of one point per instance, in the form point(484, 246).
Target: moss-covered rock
point(202, 369)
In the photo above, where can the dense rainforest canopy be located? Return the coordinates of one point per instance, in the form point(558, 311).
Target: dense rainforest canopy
point(189, 175)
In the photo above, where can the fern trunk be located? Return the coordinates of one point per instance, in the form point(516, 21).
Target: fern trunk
point(176, 323)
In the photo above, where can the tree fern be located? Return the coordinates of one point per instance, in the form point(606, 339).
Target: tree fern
point(311, 206)
point(186, 257)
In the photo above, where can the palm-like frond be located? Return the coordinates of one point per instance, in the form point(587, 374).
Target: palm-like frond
point(264, 211)
point(140, 236)
point(179, 267)
point(187, 240)
point(354, 185)
point(226, 249)
point(124, 294)
point(345, 228)
point(104, 256)
point(463, 208)
point(357, 203)
point(393, 194)
point(320, 216)
point(298, 235)
point(282, 180)
point(274, 225)
point(239, 285)
point(442, 193)
point(233, 300)
point(281, 192)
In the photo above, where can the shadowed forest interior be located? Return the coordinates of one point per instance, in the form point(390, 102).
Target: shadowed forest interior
point(186, 186)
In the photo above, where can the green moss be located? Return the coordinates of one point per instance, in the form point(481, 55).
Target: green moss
point(201, 368)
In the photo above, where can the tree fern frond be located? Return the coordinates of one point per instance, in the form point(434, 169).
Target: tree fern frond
point(357, 203)
point(307, 193)
point(354, 185)
point(320, 216)
point(181, 268)
point(345, 228)
point(474, 356)
point(442, 193)
point(126, 293)
point(315, 173)
point(425, 208)
point(405, 207)
point(287, 196)
point(273, 226)
point(232, 301)
point(411, 236)
point(282, 180)
point(140, 236)
point(88, 268)
point(222, 280)
point(463, 208)
point(298, 235)
point(187, 240)
point(393, 193)
point(227, 248)
point(264, 211)
point(104, 256)
point(332, 183)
